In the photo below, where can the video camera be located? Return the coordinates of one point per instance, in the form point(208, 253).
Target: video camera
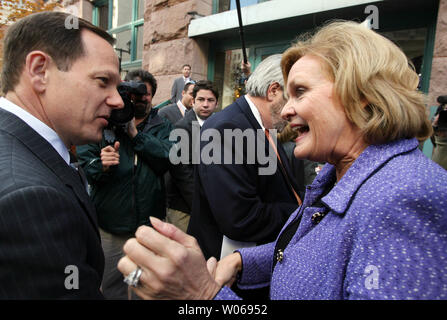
point(442, 111)
point(119, 118)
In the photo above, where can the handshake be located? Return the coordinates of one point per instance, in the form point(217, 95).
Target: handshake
point(173, 266)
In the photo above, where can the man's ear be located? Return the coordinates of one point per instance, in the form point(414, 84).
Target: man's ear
point(36, 69)
point(273, 90)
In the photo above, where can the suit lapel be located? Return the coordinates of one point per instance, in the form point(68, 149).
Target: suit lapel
point(49, 156)
point(177, 113)
point(245, 108)
point(190, 116)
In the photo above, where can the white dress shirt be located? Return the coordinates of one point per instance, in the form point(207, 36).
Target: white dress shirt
point(200, 120)
point(41, 128)
point(255, 111)
point(181, 107)
point(186, 80)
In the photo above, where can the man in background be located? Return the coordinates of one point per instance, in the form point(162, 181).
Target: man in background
point(179, 83)
point(176, 111)
point(181, 187)
point(233, 205)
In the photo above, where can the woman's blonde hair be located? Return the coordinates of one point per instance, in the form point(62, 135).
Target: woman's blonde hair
point(375, 82)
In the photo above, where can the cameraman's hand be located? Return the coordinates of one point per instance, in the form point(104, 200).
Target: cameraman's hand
point(132, 129)
point(110, 156)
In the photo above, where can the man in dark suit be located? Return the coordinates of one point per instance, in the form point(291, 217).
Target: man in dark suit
point(234, 205)
point(176, 111)
point(179, 83)
point(181, 183)
point(55, 97)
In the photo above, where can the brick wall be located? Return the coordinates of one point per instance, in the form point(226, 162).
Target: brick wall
point(438, 78)
point(166, 43)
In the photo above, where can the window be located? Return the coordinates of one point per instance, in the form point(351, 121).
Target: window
point(124, 20)
point(225, 71)
point(225, 5)
point(228, 76)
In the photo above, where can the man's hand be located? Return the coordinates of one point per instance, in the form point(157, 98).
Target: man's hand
point(173, 264)
point(246, 67)
point(110, 156)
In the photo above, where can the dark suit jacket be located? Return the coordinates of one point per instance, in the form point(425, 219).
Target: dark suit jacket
point(187, 123)
point(177, 88)
point(48, 227)
point(233, 199)
point(171, 112)
point(180, 181)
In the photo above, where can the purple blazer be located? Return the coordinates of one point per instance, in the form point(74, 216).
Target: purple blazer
point(384, 235)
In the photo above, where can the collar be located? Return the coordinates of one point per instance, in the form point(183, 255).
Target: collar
point(181, 107)
point(41, 128)
point(200, 120)
point(372, 159)
point(255, 111)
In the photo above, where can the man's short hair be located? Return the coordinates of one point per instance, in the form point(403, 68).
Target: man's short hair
point(186, 65)
point(187, 85)
point(205, 85)
point(267, 72)
point(144, 76)
point(47, 32)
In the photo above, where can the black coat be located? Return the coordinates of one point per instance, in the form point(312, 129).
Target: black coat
point(48, 226)
point(233, 199)
point(171, 112)
point(180, 179)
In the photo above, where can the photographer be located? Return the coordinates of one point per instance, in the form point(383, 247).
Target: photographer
point(439, 137)
point(125, 172)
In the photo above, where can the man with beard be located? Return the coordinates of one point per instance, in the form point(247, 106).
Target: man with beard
point(126, 179)
point(234, 205)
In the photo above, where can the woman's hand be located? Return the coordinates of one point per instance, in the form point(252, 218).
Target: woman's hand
point(225, 271)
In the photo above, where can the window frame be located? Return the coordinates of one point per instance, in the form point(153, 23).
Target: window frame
point(215, 6)
point(133, 25)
